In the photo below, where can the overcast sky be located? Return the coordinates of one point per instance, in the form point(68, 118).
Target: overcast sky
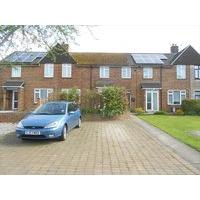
point(135, 38)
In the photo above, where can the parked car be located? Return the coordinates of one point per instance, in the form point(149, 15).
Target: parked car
point(50, 120)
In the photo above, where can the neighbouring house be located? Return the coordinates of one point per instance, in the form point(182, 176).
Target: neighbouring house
point(153, 81)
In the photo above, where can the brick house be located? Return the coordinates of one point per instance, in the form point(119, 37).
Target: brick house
point(153, 81)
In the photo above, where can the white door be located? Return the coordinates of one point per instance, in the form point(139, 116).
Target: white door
point(152, 100)
point(15, 100)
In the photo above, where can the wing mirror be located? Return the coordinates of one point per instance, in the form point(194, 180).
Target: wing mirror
point(71, 112)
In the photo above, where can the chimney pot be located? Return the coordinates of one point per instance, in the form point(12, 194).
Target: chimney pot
point(174, 48)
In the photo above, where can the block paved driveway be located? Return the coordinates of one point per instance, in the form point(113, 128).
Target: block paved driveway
point(98, 147)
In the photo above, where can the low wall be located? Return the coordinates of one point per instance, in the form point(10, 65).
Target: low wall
point(10, 116)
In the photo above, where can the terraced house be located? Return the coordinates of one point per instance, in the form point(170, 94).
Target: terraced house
point(153, 81)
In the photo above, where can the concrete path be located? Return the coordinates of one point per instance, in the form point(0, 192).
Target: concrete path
point(98, 147)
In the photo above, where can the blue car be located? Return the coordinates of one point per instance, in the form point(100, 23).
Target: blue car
point(50, 120)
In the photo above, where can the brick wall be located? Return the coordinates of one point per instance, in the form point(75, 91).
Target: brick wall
point(12, 117)
point(170, 82)
point(85, 77)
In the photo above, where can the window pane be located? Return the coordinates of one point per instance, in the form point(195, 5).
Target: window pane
point(43, 94)
point(176, 97)
point(104, 72)
point(181, 71)
point(48, 70)
point(66, 70)
point(16, 71)
point(197, 95)
point(147, 73)
point(155, 101)
point(170, 99)
point(149, 101)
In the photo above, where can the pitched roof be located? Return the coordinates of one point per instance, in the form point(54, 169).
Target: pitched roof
point(149, 58)
point(24, 57)
point(188, 56)
point(113, 59)
point(58, 54)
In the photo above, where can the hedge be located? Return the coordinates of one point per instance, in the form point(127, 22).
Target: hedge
point(191, 107)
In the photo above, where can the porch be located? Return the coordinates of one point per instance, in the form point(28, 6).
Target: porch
point(13, 95)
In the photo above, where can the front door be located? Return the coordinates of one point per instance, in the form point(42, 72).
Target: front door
point(14, 100)
point(152, 100)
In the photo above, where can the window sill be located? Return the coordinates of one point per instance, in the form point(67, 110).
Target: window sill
point(66, 77)
point(126, 78)
point(148, 78)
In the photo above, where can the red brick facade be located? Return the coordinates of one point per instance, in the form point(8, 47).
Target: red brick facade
point(86, 77)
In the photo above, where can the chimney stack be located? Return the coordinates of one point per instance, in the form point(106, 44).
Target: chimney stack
point(174, 48)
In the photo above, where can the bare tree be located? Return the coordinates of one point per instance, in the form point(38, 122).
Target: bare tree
point(27, 36)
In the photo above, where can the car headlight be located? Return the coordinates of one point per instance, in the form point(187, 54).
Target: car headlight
point(52, 125)
point(20, 125)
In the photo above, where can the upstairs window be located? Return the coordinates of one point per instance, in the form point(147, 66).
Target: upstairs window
point(66, 70)
point(48, 70)
point(16, 71)
point(104, 72)
point(126, 72)
point(181, 72)
point(197, 72)
point(147, 72)
point(175, 97)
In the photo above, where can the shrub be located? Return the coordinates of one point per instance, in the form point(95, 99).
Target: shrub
point(113, 101)
point(139, 111)
point(179, 112)
point(160, 113)
point(89, 111)
point(70, 95)
point(91, 99)
point(191, 107)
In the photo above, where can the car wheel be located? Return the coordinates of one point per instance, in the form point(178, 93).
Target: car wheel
point(79, 123)
point(63, 137)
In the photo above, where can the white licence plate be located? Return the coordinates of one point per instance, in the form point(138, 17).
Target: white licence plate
point(32, 132)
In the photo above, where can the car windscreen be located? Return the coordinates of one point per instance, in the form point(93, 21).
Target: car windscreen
point(51, 109)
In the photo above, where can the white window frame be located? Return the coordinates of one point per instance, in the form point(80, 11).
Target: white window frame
point(66, 70)
point(126, 72)
point(196, 72)
point(171, 92)
point(104, 72)
point(16, 71)
point(149, 73)
point(38, 91)
point(180, 72)
point(48, 70)
point(195, 94)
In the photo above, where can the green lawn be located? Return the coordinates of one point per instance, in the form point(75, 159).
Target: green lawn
point(178, 127)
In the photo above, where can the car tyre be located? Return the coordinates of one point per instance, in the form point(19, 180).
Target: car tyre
point(79, 123)
point(63, 137)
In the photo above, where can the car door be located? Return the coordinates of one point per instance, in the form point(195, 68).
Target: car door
point(71, 115)
point(77, 114)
